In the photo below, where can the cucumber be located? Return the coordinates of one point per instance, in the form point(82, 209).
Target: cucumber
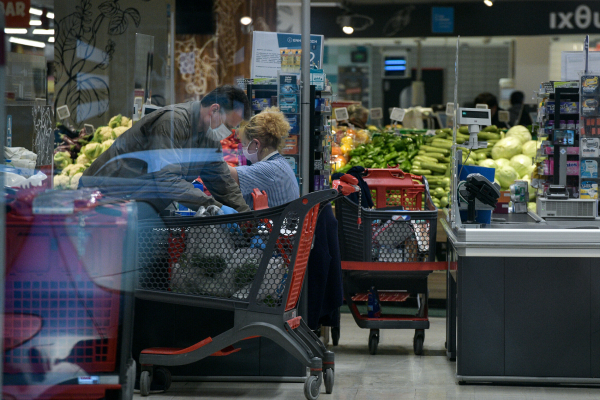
point(443, 143)
point(434, 167)
point(464, 130)
point(486, 135)
point(422, 152)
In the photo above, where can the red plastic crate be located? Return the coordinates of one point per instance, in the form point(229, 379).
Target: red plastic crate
point(393, 187)
point(62, 300)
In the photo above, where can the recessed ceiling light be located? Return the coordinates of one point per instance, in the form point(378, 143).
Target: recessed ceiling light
point(348, 30)
point(35, 11)
point(43, 31)
point(15, 31)
point(246, 20)
point(50, 15)
point(35, 22)
point(488, 3)
point(26, 42)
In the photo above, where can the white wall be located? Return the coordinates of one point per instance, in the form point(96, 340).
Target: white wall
point(532, 64)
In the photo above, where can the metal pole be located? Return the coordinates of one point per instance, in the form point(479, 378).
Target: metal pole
point(305, 110)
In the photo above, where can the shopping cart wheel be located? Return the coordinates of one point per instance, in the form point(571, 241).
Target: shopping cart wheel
point(418, 341)
point(312, 387)
point(329, 377)
point(145, 381)
point(335, 335)
point(162, 378)
point(373, 341)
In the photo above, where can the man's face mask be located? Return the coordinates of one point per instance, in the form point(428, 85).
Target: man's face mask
point(220, 132)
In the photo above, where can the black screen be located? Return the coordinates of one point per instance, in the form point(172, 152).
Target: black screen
point(475, 114)
point(194, 17)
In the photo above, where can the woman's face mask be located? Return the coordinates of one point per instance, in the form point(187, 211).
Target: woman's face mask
point(252, 157)
point(220, 132)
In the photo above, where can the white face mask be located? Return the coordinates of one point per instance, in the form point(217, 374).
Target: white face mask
point(220, 132)
point(252, 157)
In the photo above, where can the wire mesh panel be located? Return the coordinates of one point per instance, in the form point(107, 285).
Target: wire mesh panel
point(386, 235)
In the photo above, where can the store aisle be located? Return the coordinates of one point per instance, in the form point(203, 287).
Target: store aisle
point(394, 373)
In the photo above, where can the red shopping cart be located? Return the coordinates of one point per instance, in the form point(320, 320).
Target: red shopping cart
point(70, 274)
point(388, 254)
point(253, 264)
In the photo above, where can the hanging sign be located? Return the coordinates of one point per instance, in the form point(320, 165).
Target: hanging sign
point(16, 13)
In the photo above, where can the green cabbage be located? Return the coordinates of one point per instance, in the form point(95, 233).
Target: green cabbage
point(92, 150)
point(488, 163)
point(61, 181)
point(522, 164)
point(73, 169)
point(507, 148)
point(501, 162)
point(506, 175)
point(520, 132)
point(530, 148)
point(62, 159)
point(106, 144)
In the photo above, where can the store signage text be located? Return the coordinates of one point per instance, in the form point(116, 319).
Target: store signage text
point(582, 18)
point(16, 13)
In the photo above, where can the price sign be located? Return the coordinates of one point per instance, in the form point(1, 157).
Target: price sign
point(450, 108)
point(503, 116)
point(63, 112)
point(397, 114)
point(341, 114)
point(89, 129)
point(376, 113)
point(483, 106)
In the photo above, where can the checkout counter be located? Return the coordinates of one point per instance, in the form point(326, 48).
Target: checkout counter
point(524, 300)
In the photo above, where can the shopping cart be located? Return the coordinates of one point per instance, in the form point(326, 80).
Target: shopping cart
point(70, 274)
point(252, 264)
point(388, 254)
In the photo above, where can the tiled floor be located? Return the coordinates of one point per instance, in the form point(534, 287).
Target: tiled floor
point(394, 373)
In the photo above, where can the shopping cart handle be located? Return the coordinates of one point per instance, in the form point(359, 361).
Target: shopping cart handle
point(346, 185)
point(260, 199)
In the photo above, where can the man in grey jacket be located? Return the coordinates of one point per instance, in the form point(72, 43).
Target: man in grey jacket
point(156, 160)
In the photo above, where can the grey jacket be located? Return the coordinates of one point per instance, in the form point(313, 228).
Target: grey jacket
point(157, 159)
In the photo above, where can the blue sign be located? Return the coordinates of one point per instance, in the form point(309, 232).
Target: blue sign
point(442, 19)
point(293, 41)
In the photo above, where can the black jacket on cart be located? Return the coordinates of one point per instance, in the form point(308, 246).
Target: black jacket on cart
point(324, 280)
point(365, 194)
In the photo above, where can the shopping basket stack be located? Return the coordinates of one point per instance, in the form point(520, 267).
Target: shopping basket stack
point(253, 264)
point(70, 274)
point(387, 254)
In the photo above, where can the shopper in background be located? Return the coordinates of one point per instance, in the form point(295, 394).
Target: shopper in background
point(357, 116)
point(156, 161)
point(492, 103)
point(519, 112)
point(262, 138)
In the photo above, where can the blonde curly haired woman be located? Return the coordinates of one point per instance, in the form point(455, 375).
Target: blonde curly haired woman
point(262, 138)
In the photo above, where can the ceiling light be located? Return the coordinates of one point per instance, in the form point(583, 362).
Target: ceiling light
point(246, 20)
point(26, 42)
point(15, 31)
point(488, 3)
point(51, 39)
point(35, 11)
point(50, 15)
point(348, 30)
point(34, 22)
point(43, 31)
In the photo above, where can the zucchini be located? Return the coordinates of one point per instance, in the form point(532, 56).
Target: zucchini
point(426, 159)
point(434, 167)
point(418, 171)
point(432, 149)
point(437, 156)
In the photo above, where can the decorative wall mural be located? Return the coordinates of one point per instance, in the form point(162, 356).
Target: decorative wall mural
point(398, 22)
point(43, 134)
point(221, 58)
point(81, 58)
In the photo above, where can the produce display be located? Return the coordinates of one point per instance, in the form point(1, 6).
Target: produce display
point(509, 152)
point(78, 149)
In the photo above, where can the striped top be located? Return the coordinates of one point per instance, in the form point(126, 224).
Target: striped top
point(274, 175)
